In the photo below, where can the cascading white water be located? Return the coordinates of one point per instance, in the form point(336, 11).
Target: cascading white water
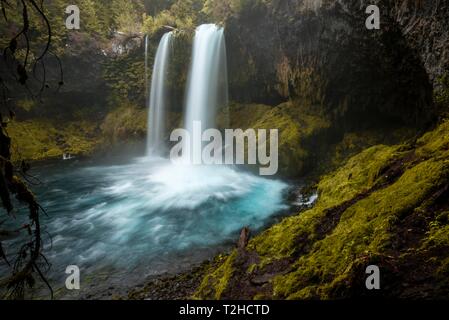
point(207, 88)
point(158, 97)
point(147, 41)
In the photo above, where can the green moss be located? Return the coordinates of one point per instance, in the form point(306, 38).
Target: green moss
point(125, 123)
point(437, 239)
point(260, 296)
point(281, 240)
point(355, 142)
point(364, 229)
point(242, 115)
point(295, 124)
point(216, 280)
point(42, 139)
point(438, 236)
point(371, 209)
point(357, 175)
point(435, 143)
point(291, 153)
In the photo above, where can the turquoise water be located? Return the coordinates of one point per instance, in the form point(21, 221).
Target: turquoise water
point(149, 214)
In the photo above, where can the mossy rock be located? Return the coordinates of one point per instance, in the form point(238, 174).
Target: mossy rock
point(387, 206)
point(42, 139)
point(125, 123)
point(129, 123)
point(296, 128)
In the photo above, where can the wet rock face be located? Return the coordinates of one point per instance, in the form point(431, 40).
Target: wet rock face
point(424, 25)
point(122, 44)
point(320, 54)
point(252, 45)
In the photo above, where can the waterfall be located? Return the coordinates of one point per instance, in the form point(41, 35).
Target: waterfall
point(147, 89)
point(207, 87)
point(158, 97)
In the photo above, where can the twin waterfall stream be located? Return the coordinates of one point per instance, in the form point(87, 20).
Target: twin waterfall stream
point(207, 86)
point(158, 95)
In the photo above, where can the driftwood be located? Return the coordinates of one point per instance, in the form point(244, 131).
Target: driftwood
point(244, 238)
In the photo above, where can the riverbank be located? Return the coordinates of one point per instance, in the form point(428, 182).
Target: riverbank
point(386, 206)
point(40, 140)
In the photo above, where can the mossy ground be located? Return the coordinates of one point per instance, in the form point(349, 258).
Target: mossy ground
point(387, 205)
point(42, 139)
point(125, 123)
point(296, 126)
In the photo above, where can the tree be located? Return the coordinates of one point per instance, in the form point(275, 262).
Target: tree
point(104, 15)
point(90, 22)
point(154, 7)
point(18, 58)
point(126, 15)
